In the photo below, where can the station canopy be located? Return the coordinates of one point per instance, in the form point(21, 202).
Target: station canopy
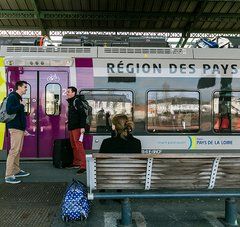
point(178, 20)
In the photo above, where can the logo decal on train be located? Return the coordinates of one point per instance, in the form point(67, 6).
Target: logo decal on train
point(172, 68)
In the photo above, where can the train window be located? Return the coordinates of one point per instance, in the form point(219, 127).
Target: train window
point(26, 98)
point(53, 99)
point(226, 111)
point(173, 111)
point(105, 104)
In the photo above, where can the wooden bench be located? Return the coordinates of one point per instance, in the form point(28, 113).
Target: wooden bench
point(172, 175)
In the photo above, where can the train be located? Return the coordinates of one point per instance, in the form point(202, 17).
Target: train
point(177, 98)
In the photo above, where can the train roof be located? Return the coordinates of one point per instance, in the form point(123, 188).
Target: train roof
point(219, 16)
point(36, 52)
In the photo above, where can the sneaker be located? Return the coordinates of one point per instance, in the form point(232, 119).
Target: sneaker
point(22, 174)
point(12, 180)
point(79, 172)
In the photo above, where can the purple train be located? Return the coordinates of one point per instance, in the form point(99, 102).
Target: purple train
point(174, 96)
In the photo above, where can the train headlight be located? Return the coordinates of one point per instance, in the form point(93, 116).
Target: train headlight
point(9, 62)
point(69, 62)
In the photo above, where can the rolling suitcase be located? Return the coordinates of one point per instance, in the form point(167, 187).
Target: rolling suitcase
point(62, 153)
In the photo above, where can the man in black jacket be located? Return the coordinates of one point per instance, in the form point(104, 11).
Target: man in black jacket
point(16, 127)
point(76, 126)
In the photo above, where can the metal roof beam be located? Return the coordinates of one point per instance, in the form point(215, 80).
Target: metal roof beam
point(36, 10)
point(198, 11)
point(13, 14)
point(132, 15)
point(194, 32)
point(20, 32)
point(224, 1)
point(123, 16)
point(185, 41)
point(179, 42)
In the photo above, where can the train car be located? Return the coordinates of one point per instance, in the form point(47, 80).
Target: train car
point(185, 100)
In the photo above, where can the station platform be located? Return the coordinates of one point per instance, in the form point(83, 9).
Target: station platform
point(36, 202)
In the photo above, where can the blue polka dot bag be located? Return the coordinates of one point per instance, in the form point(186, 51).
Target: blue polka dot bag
point(75, 205)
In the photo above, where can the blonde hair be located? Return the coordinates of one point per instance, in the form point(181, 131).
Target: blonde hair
point(123, 126)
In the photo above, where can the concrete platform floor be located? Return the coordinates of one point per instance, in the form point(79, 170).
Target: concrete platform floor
point(36, 202)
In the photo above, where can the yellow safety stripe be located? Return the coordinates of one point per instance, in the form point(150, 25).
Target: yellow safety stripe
point(3, 93)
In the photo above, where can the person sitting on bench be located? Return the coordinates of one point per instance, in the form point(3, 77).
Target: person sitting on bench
point(123, 141)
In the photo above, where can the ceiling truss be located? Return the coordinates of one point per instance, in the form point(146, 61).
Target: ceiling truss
point(122, 16)
point(37, 16)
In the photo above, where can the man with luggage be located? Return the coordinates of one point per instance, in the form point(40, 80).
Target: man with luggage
point(16, 127)
point(76, 126)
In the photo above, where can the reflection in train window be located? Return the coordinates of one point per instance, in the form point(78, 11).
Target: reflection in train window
point(26, 98)
point(105, 104)
point(173, 111)
point(53, 99)
point(226, 111)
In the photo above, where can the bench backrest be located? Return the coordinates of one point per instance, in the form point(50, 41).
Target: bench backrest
point(163, 171)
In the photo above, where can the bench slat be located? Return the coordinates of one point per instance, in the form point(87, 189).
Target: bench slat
point(167, 177)
point(177, 186)
point(167, 155)
point(120, 169)
point(178, 180)
point(120, 165)
point(140, 161)
point(230, 160)
point(120, 186)
point(139, 173)
point(184, 160)
point(120, 177)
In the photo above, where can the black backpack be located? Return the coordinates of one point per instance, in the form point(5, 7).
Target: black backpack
point(4, 116)
point(87, 109)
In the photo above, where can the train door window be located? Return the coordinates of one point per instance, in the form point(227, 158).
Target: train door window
point(26, 98)
point(53, 99)
point(106, 104)
point(226, 111)
point(173, 111)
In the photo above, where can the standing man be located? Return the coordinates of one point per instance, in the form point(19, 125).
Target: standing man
point(76, 126)
point(16, 127)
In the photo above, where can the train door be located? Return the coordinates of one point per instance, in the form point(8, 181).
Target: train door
point(45, 108)
point(52, 110)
